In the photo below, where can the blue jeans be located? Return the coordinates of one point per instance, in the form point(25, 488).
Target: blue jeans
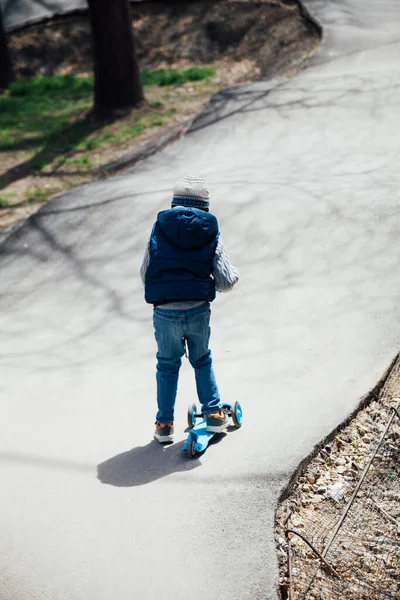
point(174, 328)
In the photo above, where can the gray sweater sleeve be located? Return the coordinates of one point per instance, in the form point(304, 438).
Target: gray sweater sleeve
point(225, 274)
point(145, 262)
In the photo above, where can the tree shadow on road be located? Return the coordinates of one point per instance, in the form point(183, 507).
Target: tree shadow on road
point(144, 464)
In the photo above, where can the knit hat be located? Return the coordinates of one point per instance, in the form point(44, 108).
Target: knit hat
point(191, 191)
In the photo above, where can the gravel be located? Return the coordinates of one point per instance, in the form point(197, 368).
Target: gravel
point(366, 550)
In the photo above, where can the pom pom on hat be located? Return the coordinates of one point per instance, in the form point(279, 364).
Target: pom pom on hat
point(191, 191)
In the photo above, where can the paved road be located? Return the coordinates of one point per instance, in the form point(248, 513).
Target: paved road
point(18, 13)
point(24, 12)
point(304, 179)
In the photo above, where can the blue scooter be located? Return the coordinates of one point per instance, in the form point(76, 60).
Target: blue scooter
point(199, 438)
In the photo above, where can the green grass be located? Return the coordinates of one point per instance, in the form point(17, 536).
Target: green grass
point(37, 194)
point(45, 116)
point(176, 77)
point(128, 131)
point(43, 85)
point(35, 109)
point(106, 138)
point(82, 161)
point(4, 200)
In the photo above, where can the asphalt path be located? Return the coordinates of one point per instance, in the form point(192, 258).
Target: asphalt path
point(18, 13)
point(304, 181)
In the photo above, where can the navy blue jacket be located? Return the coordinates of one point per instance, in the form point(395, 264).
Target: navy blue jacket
point(182, 248)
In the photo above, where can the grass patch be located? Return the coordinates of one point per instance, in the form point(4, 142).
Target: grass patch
point(164, 77)
point(82, 161)
point(35, 194)
point(46, 130)
point(39, 86)
point(5, 200)
point(130, 131)
point(109, 136)
point(34, 111)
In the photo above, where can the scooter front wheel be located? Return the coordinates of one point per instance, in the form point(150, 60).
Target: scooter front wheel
point(190, 451)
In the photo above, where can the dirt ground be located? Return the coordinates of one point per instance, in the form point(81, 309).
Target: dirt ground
point(272, 37)
point(245, 40)
point(363, 557)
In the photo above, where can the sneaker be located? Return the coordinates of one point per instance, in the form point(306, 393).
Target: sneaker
point(217, 422)
point(164, 432)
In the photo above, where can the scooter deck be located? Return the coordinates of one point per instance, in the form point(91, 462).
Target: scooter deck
point(200, 435)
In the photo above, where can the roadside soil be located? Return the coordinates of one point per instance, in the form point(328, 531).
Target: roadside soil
point(365, 553)
point(244, 40)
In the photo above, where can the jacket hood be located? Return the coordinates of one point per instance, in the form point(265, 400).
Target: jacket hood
point(188, 228)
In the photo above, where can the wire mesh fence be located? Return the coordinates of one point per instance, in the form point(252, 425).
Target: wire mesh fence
point(344, 542)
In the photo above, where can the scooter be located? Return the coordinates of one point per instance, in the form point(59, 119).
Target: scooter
point(199, 438)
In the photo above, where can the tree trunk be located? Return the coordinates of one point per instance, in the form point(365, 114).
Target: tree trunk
point(116, 70)
point(6, 73)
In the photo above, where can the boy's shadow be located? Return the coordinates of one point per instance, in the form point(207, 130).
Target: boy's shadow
point(145, 464)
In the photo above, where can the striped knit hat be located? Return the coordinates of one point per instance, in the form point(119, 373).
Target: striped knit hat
point(191, 191)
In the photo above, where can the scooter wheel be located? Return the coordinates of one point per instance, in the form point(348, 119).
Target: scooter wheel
point(190, 451)
point(191, 415)
point(237, 415)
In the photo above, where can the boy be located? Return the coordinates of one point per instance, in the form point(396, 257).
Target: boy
point(184, 263)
